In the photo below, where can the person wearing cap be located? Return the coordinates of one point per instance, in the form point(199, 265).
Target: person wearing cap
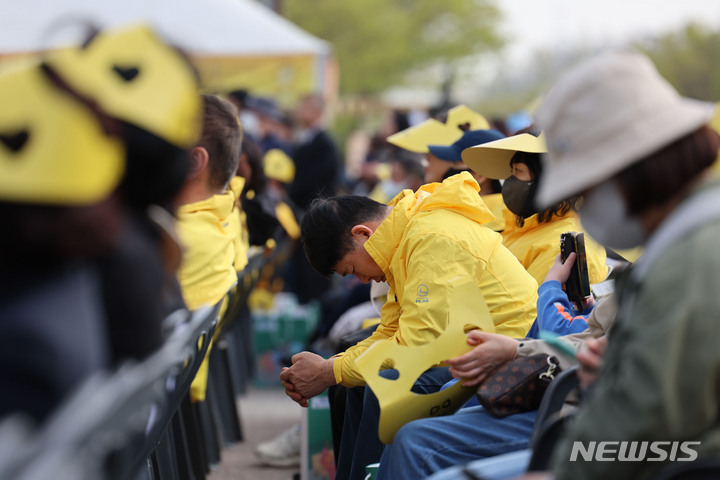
point(417, 244)
point(641, 156)
point(532, 235)
point(456, 122)
point(443, 161)
point(88, 205)
point(208, 218)
point(61, 211)
point(150, 89)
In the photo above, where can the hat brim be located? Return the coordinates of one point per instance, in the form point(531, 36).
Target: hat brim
point(492, 159)
point(448, 154)
point(429, 132)
point(573, 172)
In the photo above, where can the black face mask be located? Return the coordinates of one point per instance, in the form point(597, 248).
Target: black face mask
point(515, 193)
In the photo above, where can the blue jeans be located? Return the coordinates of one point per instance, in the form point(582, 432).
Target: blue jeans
point(428, 445)
point(502, 467)
point(360, 444)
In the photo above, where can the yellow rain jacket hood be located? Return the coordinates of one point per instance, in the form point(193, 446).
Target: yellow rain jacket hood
point(430, 237)
point(537, 244)
point(207, 233)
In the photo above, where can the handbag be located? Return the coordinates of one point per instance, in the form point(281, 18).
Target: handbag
point(518, 385)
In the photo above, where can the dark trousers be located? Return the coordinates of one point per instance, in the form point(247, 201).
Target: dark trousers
point(360, 444)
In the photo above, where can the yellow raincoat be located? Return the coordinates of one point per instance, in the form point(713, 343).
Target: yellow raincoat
point(238, 225)
point(537, 245)
point(209, 232)
point(430, 237)
point(495, 203)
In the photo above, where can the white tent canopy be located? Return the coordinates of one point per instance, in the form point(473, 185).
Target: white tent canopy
point(234, 43)
point(202, 27)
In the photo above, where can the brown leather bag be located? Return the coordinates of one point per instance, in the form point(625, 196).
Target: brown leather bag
point(518, 385)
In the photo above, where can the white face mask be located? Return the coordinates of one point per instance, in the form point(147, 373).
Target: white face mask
point(604, 217)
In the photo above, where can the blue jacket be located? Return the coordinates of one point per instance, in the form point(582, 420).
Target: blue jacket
point(556, 313)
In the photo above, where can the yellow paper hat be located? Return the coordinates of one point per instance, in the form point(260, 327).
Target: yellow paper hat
point(492, 159)
point(278, 166)
point(433, 132)
point(398, 404)
point(463, 118)
point(53, 150)
point(134, 76)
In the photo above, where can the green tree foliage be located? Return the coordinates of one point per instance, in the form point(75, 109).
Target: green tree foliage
point(688, 58)
point(378, 42)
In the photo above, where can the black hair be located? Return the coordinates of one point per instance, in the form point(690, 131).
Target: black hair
point(532, 160)
point(325, 230)
point(495, 185)
point(453, 171)
point(240, 97)
point(401, 120)
point(660, 176)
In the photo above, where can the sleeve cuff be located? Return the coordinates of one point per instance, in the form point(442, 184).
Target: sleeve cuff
point(337, 368)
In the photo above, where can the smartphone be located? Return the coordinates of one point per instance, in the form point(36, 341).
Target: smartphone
point(577, 286)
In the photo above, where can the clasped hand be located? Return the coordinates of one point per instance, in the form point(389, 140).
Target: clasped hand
point(309, 375)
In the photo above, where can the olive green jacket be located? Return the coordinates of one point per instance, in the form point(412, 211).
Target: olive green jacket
point(660, 380)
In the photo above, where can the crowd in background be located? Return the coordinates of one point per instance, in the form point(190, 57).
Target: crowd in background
point(128, 193)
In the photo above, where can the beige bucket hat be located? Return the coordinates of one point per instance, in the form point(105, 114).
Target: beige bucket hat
point(603, 116)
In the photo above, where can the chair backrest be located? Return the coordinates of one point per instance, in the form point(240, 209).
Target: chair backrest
point(191, 339)
point(97, 431)
point(108, 426)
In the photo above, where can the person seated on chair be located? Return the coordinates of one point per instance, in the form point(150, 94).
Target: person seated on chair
point(426, 446)
point(531, 234)
point(642, 157)
point(206, 203)
point(207, 218)
point(72, 196)
point(158, 118)
point(56, 224)
point(417, 244)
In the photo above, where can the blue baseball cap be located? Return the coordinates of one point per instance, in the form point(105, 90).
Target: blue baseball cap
point(453, 153)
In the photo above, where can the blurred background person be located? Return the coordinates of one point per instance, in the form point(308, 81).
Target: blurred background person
point(206, 228)
point(317, 166)
point(269, 118)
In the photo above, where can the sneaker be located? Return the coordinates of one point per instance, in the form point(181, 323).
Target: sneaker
point(281, 451)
